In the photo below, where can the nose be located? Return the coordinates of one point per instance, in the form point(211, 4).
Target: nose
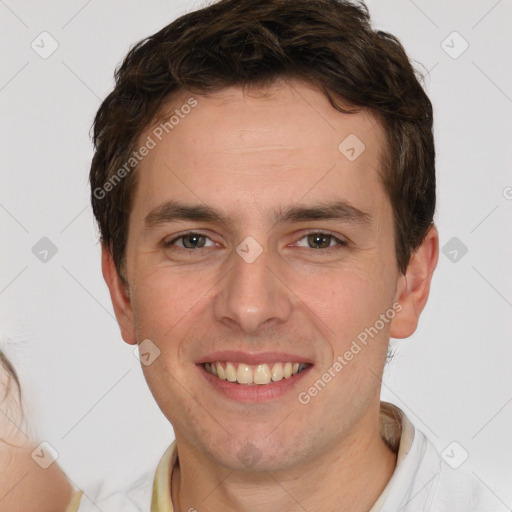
point(253, 295)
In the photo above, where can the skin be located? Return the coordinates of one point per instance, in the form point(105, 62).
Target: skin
point(249, 154)
point(24, 485)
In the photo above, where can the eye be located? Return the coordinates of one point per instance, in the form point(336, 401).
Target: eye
point(320, 240)
point(190, 240)
point(314, 240)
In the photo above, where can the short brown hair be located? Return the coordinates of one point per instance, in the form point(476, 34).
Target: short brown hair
point(327, 43)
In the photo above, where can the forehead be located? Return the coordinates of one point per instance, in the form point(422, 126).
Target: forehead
point(288, 113)
point(272, 146)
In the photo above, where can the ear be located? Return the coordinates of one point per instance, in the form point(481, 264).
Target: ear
point(413, 288)
point(119, 296)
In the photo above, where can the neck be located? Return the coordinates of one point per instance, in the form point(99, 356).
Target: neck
point(350, 476)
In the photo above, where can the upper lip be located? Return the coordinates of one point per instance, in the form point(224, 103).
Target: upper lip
point(253, 357)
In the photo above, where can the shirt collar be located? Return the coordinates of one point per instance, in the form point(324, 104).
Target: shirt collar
point(395, 429)
point(398, 432)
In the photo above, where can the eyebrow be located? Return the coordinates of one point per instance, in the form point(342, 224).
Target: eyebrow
point(174, 210)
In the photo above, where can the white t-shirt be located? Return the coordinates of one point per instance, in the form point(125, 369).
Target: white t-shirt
point(422, 480)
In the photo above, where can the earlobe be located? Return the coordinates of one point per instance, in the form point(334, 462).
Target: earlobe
point(120, 297)
point(414, 287)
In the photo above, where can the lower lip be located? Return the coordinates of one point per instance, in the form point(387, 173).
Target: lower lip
point(256, 392)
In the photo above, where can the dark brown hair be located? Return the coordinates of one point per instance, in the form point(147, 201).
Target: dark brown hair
point(10, 392)
point(327, 43)
point(12, 376)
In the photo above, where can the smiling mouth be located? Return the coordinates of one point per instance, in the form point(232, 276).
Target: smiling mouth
point(254, 374)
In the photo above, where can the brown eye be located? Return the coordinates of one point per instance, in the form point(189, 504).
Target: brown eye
point(322, 241)
point(193, 241)
point(190, 240)
point(319, 241)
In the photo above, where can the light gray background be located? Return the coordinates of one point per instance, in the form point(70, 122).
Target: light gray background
point(83, 388)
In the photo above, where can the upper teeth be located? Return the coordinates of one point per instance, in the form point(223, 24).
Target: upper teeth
point(253, 374)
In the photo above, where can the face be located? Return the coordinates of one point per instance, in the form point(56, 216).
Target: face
point(291, 259)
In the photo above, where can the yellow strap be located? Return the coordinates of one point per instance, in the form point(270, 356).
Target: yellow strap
point(75, 502)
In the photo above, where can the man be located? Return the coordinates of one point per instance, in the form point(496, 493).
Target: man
point(264, 185)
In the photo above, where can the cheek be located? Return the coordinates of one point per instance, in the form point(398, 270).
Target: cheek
point(161, 379)
point(345, 295)
point(349, 303)
point(170, 309)
point(164, 298)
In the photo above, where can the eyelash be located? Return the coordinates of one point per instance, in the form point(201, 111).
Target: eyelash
point(340, 243)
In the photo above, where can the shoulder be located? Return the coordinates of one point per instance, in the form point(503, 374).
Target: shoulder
point(441, 488)
point(135, 497)
point(423, 479)
point(460, 489)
